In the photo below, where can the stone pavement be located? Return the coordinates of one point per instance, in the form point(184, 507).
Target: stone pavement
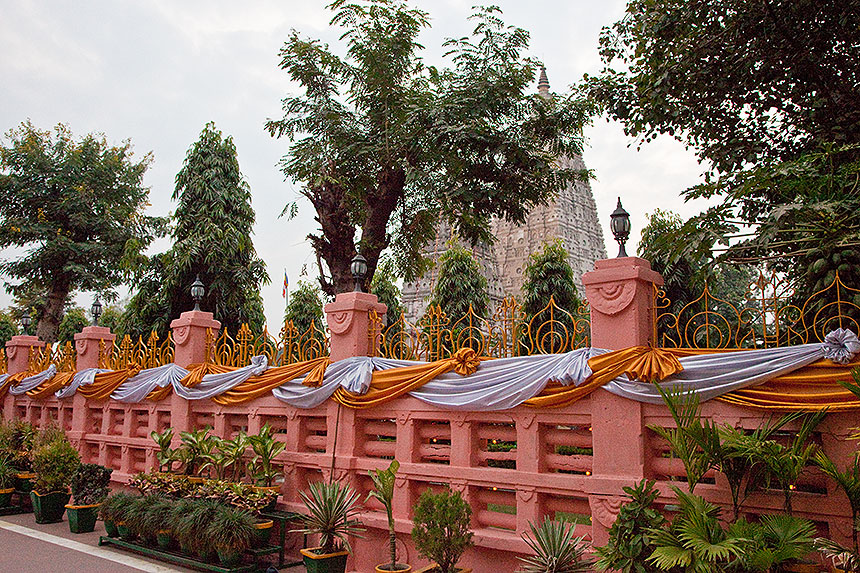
point(29, 548)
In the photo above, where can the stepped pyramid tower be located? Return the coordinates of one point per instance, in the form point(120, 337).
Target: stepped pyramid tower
point(571, 217)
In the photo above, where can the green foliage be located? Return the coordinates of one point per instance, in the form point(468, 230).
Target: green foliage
point(55, 463)
point(8, 473)
point(8, 328)
point(306, 308)
point(116, 505)
point(684, 407)
point(383, 491)
point(555, 549)
point(74, 321)
point(764, 92)
point(460, 284)
point(387, 145)
point(90, 484)
point(776, 540)
point(77, 210)
point(112, 317)
point(331, 514)
point(266, 448)
point(231, 529)
point(197, 444)
point(849, 482)
point(694, 541)
point(385, 288)
point(629, 538)
point(548, 274)
point(211, 230)
point(191, 520)
point(441, 530)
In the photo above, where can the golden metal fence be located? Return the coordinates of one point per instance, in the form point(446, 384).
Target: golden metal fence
point(770, 315)
point(290, 346)
point(4, 364)
point(144, 354)
point(62, 355)
point(507, 332)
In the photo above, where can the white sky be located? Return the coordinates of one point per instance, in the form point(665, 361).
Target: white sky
point(155, 71)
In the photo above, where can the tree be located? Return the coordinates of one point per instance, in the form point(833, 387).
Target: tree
point(383, 144)
point(384, 286)
point(305, 308)
point(211, 230)
point(549, 274)
point(8, 328)
point(768, 95)
point(78, 209)
point(74, 321)
point(460, 285)
point(112, 318)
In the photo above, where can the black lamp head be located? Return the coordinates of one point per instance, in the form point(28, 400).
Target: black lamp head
point(25, 322)
point(359, 270)
point(197, 292)
point(620, 225)
point(96, 310)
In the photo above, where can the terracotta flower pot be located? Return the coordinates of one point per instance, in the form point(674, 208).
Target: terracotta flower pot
point(384, 568)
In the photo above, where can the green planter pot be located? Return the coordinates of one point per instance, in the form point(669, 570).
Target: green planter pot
point(229, 557)
point(262, 533)
point(110, 528)
point(186, 548)
point(82, 518)
point(50, 507)
point(163, 538)
point(124, 531)
point(6, 497)
point(25, 482)
point(330, 563)
point(207, 554)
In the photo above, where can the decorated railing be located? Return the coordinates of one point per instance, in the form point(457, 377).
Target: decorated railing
point(770, 315)
point(147, 353)
point(62, 355)
point(508, 332)
point(290, 346)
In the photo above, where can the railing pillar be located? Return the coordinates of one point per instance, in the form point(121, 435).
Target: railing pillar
point(348, 319)
point(189, 336)
point(18, 352)
point(620, 293)
point(88, 343)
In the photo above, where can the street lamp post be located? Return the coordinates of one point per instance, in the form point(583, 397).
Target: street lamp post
point(620, 225)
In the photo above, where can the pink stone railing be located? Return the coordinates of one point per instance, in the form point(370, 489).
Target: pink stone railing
point(513, 467)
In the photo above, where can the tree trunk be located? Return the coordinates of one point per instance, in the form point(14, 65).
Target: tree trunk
point(49, 324)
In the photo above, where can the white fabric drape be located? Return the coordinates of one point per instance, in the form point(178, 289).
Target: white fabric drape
point(712, 375)
point(136, 388)
point(215, 384)
point(33, 381)
point(82, 378)
point(3, 378)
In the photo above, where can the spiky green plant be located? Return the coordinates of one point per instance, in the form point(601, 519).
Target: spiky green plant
point(331, 514)
point(694, 542)
point(773, 542)
point(849, 482)
point(684, 408)
point(158, 515)
point(116, 506)
point(231, 529)
point(383, 491)
point(555, 549)
point(190, 527)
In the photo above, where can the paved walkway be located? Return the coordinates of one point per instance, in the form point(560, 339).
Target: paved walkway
point(29, 548)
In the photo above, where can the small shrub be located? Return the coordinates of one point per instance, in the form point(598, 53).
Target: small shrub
point(629, 540)
point(441, 532)
point(55, 464)
point(90, 484)
point(231, 529)
point(115, 507)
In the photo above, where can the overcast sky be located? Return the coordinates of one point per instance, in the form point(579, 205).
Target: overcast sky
point(155, 71)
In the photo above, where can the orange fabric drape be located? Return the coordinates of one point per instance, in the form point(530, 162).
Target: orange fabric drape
point(196, 372)
point(12, 380)
point(256, 386)
point(105, 383)
point(638, 363)
point(555, 395)
point(390, 384)
point(47, 388)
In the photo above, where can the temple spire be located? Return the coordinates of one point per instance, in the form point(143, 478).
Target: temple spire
point(543, 83)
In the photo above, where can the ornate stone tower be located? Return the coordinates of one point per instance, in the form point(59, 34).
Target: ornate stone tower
point(571, 217)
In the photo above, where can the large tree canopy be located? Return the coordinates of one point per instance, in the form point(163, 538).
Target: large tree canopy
point(211, 230)
point(768, 95)
point(384, 145)
point(77, 207)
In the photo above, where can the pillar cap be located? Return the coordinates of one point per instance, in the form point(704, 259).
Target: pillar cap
point(196, 318)
point(95, 332)
point(621, 269)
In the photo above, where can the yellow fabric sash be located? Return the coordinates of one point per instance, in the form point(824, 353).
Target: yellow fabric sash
point(256, 386)
point(11, 381)
point(390, 384)
point(47, 388)
point(638, 363)
point(105, 383)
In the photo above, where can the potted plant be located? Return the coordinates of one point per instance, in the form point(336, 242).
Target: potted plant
point(158, 519)
point(441, 529)
point(113, 511)
point(196, 445)
point(55, 464)
point(166, 455)
point(89, 489)
point(138, 521)
point(331, 515)
point(181, 530)
point(265, 448)
point(555, 549)
point(230, 532)
point(191, 527)
point(8, 478)
point(383, 491)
